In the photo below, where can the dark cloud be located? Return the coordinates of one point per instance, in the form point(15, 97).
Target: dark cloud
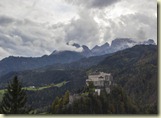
point(93, 3)
point(5, 20)
point(28, 38)
point(141, 34)
point(25, 38)
point(101, 3)
point(83, 30)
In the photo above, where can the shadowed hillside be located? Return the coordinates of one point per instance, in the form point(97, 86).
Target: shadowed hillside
point(135, 69)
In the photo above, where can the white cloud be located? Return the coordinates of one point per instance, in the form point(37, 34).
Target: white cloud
point(37, 27)
point(84, 30)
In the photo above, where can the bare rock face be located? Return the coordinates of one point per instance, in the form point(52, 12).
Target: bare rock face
point(122, 43)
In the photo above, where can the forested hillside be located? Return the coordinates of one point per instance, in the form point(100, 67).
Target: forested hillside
point(117, 102)
point(39, 78)
point(12, 63)
point(136, 70)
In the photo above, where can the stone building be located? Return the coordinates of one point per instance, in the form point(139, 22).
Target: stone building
point(100, 81)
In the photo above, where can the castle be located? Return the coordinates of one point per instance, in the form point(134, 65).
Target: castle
point(100, 81)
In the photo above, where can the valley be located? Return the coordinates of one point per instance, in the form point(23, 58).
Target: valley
point(134, 70)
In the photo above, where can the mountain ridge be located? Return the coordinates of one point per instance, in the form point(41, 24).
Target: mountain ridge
point(25, 63)
point(134, 69)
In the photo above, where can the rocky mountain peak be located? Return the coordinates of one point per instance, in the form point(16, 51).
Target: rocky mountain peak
point(121, 41)
point(149, 42)
point(105, 45)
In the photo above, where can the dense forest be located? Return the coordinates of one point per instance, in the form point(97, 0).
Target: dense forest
point(117, 102)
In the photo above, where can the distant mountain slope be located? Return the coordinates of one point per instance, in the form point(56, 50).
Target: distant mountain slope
point(100, 50)
point(45, 77)
point(81, 64)
point(33, 76)
point(135, 69)
point(25, 63)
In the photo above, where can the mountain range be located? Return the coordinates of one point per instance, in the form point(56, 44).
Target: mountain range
point(132, 65)
point(116, 45)
point(12, 63)
point(134, 69)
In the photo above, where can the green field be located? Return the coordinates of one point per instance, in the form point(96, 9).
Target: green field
point(47, 86)
point(36, 88)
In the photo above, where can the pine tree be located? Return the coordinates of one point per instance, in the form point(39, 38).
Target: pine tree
point(66, 98)
point(14, 99)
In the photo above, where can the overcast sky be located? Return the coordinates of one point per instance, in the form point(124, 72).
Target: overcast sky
point(37, 27)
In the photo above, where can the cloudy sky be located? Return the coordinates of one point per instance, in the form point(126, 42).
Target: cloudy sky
point(37, 27)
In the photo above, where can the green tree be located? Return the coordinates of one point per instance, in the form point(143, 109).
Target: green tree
point(59, 104)
point(66, 98)
point(91, 88)
point(55, 105)
point(14, 99)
